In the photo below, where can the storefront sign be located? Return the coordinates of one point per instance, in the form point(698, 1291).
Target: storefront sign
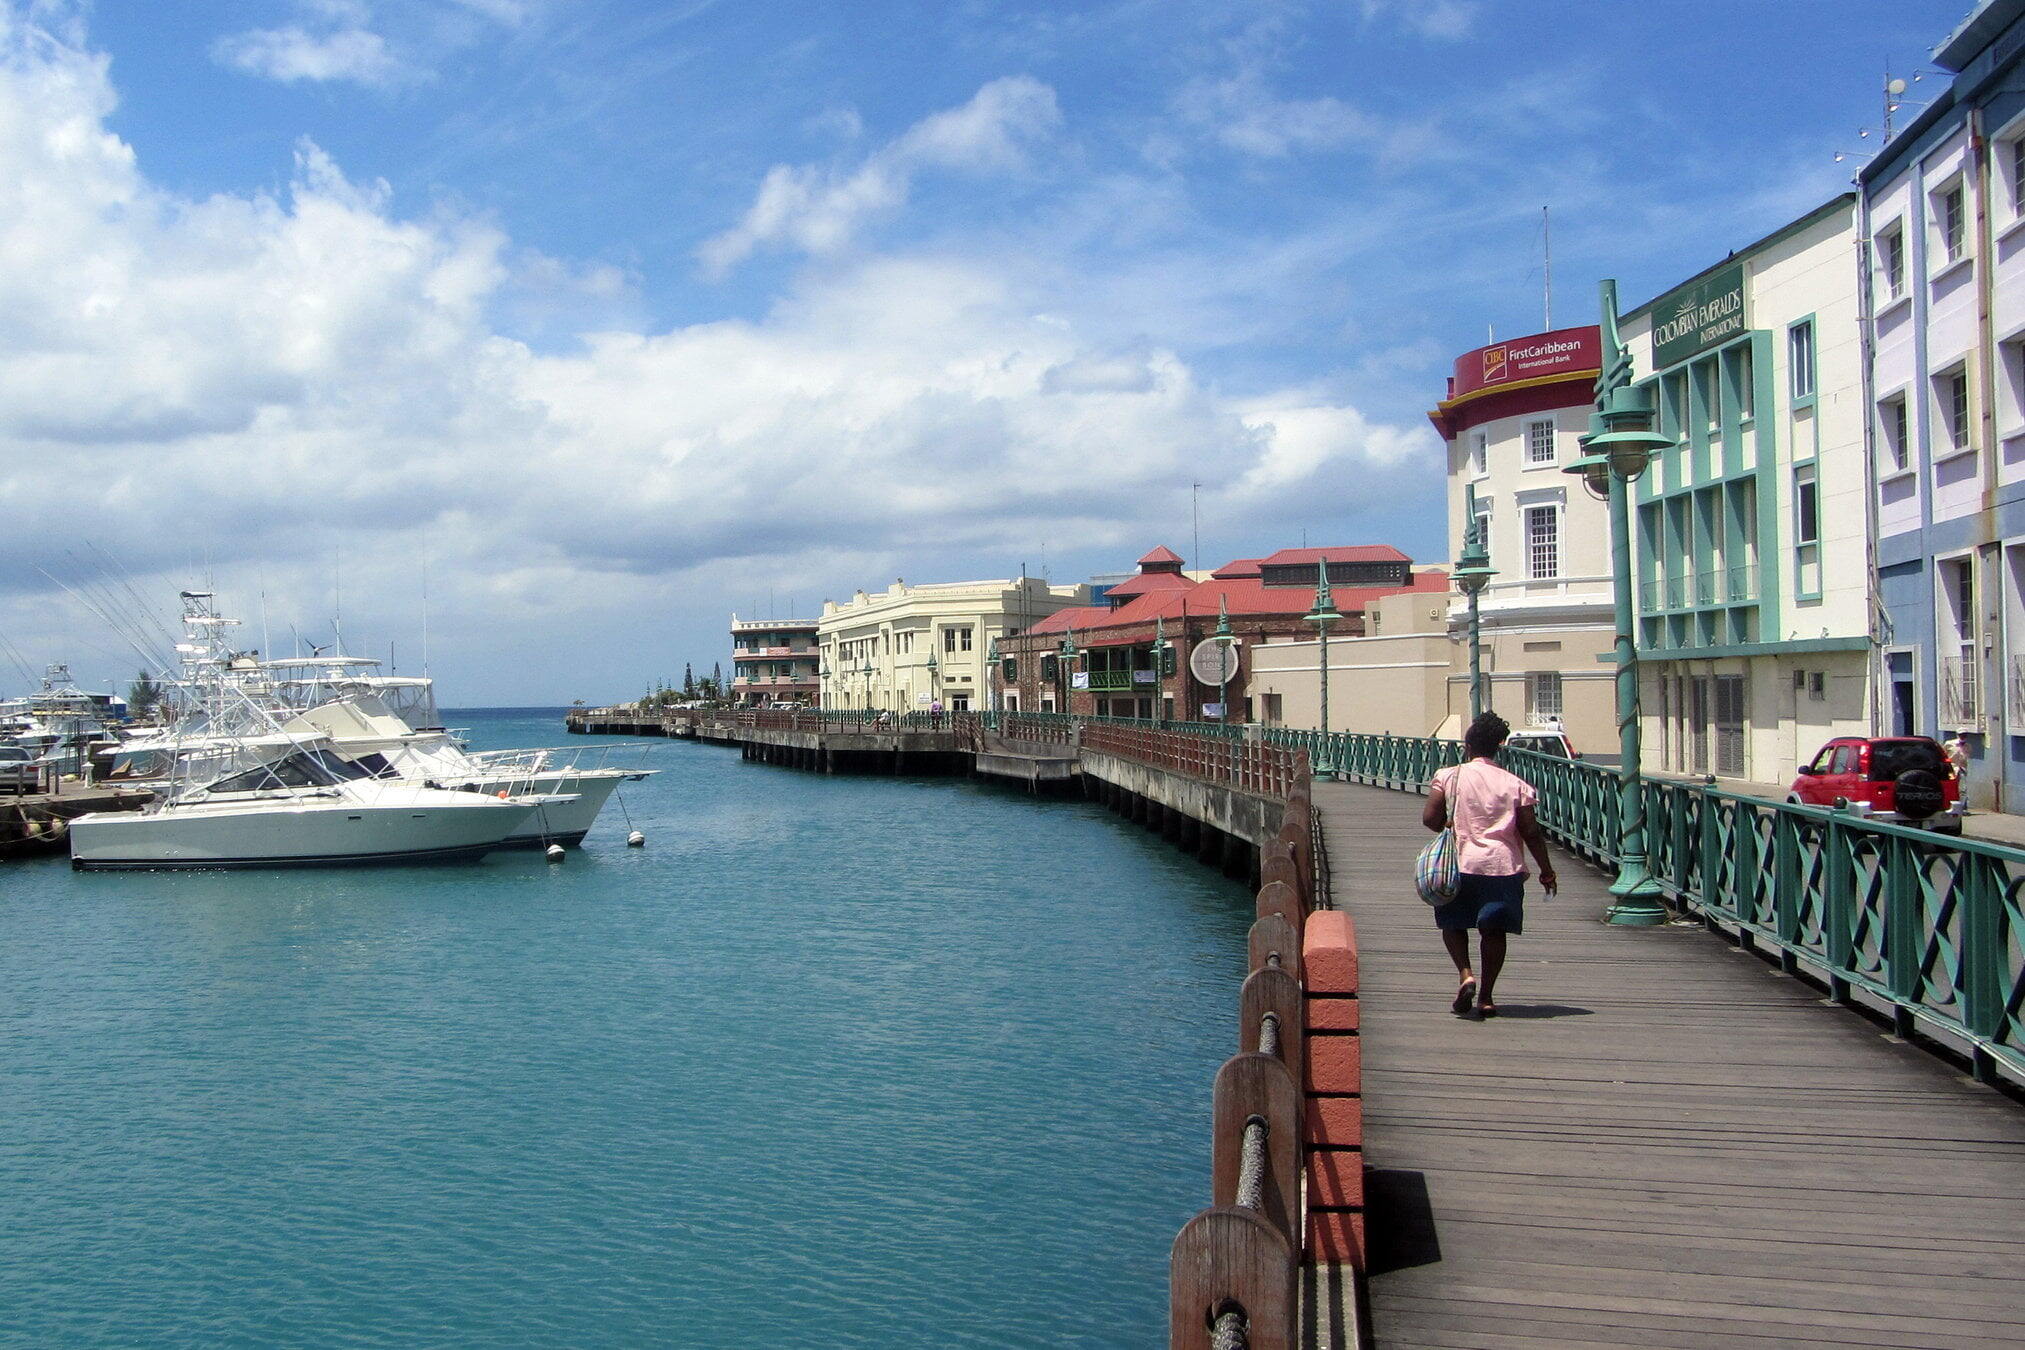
point(1528, 358)
point(1689, 321)
point(1142, 677)
point(1079, 679)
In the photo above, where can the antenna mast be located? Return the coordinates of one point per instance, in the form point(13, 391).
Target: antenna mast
point(1547, 252)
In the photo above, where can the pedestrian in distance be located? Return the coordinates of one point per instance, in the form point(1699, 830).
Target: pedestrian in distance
point(1956, 748)
point(1492, 813)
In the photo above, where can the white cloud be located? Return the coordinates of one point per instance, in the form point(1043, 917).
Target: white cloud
point(258, 382)
point(336, 44)
point(817, 208)
point(1243, 114)
point(1443, 20)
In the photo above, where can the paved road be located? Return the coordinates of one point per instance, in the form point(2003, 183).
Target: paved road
point(1663, 1142)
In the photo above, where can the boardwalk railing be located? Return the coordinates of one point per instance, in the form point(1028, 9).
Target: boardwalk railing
point(1932, 925)
point(1249, 766)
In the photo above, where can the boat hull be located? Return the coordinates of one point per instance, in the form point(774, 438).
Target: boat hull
point(340, 834)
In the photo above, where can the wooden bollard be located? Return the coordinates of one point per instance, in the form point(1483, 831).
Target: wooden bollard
point(1251, 1084)
point(1302, 844)
point(1277, 863)
point(1277, 992)
point(1277, 897)
point(1272, 933)
point(1231, 1257)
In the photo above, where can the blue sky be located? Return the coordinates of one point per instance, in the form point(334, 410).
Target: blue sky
point(614, 317)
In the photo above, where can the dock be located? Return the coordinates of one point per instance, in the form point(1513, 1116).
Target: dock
point(39, 822)
point(1663, 1140)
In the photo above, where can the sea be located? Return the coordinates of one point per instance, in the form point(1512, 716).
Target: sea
point(830, 1062)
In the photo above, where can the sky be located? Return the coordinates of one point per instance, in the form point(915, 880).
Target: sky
point(541, 336)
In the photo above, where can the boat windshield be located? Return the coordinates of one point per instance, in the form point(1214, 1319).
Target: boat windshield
point(300, 768)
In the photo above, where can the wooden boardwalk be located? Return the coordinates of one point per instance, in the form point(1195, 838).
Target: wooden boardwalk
point(1662, 1141)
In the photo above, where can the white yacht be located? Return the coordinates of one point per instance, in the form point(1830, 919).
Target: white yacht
point(300, 804)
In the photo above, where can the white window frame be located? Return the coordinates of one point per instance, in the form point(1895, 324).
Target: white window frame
point(1894, 431)
point(1534, 428)
point(1551, 511)
point(1801, 380)
point(1538, 713)
point(1480, 453)
point(1959, 696)
point(1951, 251)
point(1806, 525)
point(1960, 439)
point(1891, 259)
point(1484, 523)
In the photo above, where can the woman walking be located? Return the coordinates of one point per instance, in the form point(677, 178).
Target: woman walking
point(1492, 812)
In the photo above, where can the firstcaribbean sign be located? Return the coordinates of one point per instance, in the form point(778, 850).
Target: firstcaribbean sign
point(1703, 314)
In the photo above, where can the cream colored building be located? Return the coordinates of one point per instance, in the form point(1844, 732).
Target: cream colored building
point(1752, 531)
point(1512, 419)
point(908, 647)
point(1393, 680)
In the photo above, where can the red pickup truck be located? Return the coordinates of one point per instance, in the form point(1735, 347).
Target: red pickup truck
point(1905, 780)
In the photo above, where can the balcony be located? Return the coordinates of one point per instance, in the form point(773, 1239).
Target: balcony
point(770, 653)
point(1701, 590)
point(1121, 680)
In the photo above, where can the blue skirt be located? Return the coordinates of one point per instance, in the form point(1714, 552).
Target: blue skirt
point(1493, 904)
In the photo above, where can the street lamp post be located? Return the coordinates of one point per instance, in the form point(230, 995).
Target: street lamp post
point(1620, 445)
point(823, 685)
point(1473, 572)
point(1161, 648)
point(1064, 678)
point(1322, 615)
point(1226, 639)
point(934, 673)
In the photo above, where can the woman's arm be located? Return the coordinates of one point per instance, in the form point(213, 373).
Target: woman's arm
point(1536, 840)
point(1434, 815)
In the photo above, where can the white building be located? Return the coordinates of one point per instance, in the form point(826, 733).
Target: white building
point(910, 647)
point(1751, 533)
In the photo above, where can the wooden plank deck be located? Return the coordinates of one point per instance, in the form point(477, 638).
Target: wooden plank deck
point(1662, 1141)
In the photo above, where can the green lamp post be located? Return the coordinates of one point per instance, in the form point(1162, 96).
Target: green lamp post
point(1162, 650)
point(866, 671)
point(1063, 680)
point(1226, 639)
point(1619, 446)
point(1322, 615)
point(994, 678)
point(1473, 572)
point(823, 685)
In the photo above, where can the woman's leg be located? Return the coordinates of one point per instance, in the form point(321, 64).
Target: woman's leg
point(1457, 940)
point(1493, 941)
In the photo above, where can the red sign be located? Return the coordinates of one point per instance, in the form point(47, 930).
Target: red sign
point(1528, 358)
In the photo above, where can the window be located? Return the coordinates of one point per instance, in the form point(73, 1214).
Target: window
point(1543, 697)
point(1800, 358)
point(1896, 430)
point(1891, 258)
point(1540, 442)
point(956, 639)
point(1484, 526)
point(2014, 153)
point(1950, 220)
point(1806, 510)
point(1480, 453)
point(1543, 542)
point(1951, 390)
point(1744, 390)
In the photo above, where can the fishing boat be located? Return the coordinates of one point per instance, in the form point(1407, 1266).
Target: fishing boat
point(300, 804)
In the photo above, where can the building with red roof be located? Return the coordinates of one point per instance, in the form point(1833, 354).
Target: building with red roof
point(1099, 659)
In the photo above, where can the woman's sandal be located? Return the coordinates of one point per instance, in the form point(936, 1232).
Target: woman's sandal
point(1465, 999)
point(1487, 1010)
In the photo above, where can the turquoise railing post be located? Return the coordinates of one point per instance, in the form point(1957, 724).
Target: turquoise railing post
point(1786, 887)
point(1982, 952)
point(1902, 932)
point(1711, 891)
point(1838, 902)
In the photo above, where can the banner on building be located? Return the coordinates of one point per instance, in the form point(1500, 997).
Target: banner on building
point(1691, 319)
point(1528, 358)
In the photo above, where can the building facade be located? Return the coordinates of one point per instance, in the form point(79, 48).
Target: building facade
point(1392, 678)
point(1511, 419)
point(1751, 531)
point(773, 661)
point(1943, 209)
point(1100, 660)
point(908, 648)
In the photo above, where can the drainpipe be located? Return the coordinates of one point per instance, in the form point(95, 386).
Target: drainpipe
point(1992, 698)
point(1866, 328)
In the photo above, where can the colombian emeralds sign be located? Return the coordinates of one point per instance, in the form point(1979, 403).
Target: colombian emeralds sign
point(1704, 314)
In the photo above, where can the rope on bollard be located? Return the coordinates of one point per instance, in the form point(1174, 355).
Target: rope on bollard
point(1230, 1331)
point(1251, 1187)
point(1269, 1032)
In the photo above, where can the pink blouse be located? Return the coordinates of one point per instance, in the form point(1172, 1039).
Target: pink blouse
point(1483, 804)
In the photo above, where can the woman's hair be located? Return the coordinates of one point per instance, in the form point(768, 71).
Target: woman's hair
point(1485, 735)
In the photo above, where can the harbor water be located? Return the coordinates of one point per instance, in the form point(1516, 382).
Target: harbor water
point(845, 1061)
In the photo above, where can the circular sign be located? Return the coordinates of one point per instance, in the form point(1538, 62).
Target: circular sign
point(1214, 662)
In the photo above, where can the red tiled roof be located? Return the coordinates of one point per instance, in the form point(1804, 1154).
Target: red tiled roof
point(1150, 581)
point(1163, 554)
point(1288, 557)
point(1243, 567)
point(1078, 617)
point(1240, 596)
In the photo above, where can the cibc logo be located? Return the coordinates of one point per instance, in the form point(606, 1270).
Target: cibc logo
point(1494, 363)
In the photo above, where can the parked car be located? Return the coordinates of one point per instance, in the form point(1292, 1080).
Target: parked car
point(1543, 742)
point(20, 769)
point(1905, 780)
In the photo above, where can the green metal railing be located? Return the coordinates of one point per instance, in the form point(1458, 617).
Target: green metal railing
point(1932, 924)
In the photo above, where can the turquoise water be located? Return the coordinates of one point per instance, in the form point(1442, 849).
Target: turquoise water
point(831, 1062)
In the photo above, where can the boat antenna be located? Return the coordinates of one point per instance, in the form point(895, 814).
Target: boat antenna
point(1547, 263)
point(425, 618)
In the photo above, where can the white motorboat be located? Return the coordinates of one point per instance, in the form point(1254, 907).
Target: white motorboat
point(305, 806)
